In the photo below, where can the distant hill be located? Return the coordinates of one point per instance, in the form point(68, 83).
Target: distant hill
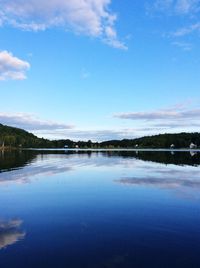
point(16, 137)
point(179, 140)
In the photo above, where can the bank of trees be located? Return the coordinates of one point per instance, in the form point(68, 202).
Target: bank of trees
point(15, 137)
point(180, 140)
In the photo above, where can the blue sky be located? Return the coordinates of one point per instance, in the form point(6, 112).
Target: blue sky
point(100, 69)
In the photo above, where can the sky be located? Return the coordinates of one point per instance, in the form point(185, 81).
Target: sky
point(100, 69)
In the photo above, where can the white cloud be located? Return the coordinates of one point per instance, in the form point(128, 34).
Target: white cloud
point(89, 17)
point(12, 67)
point(30, 122)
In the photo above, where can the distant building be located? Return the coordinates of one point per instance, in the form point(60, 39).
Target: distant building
point(193, 146)
point(66, 146)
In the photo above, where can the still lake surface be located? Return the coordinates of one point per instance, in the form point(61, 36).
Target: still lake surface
point(99, 209)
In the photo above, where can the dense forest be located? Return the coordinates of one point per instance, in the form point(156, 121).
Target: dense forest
point(15, 137)
point(180, 140)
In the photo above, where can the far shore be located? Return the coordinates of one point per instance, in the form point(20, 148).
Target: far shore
point(114, 149)
point(8, 148)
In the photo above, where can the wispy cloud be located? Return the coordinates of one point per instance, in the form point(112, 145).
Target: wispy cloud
point(173, 119)
point(56, 130)
point(187, 6)
point(182, 124)
point(31, 122)
point(183, 45)
point(187, 30)
point(163, 114)
point(97, 134)
point(88, 17)
point(12, 68)
point(89, 134)
point(177, 118)
point(183, 12)
point(181, 7)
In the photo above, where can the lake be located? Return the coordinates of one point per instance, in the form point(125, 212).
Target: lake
point(99, 209)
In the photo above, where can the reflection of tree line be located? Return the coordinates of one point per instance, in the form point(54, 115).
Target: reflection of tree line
point(164, 157)
point(15, 159)
point(10, 232)
point(10, 160)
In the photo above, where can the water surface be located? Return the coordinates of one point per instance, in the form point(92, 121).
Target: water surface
point(99, 209)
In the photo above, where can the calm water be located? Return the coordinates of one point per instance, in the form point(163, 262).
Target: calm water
point(105, 209)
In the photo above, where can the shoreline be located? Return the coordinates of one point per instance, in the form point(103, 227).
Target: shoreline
point(112, 149)
point(6, 148)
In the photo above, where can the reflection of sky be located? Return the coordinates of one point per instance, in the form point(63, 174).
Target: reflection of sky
point(130, 171)
point(10, 232)
point(113, 205)
point(52, 164)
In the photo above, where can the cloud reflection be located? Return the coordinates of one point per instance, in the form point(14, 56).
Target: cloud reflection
point(10, 232)
point(184, 182)
point(168, 183)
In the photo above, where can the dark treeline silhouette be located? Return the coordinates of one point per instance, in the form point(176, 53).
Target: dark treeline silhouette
point(15, 159)
point(162, 157)
point(15, 137)
point(180, 140)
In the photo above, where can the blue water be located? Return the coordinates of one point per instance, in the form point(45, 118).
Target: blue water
point(99, 209)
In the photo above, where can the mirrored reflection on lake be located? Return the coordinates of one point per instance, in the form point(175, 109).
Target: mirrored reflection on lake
point(99, 209)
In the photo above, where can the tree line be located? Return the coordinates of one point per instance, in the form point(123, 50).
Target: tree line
point(15, 137)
